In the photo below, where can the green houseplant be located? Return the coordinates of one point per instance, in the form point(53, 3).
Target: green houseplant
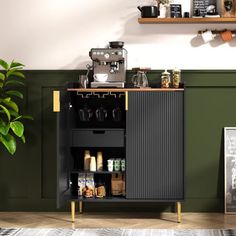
point(11, 120)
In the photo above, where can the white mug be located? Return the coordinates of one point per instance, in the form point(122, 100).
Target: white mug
point(207, 36)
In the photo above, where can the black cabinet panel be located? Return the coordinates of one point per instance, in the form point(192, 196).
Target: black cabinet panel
point(62, 153)
point(155, 145)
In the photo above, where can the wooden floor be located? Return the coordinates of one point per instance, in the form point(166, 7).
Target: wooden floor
point(122, 220)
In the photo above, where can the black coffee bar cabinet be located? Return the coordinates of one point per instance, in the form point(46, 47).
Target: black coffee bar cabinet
point(143, 127)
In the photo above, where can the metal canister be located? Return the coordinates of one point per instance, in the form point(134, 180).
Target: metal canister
point(110, 163)
point(117, 164)
point(122, 164)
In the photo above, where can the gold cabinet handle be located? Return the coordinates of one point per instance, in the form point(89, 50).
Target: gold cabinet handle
point(126, 101)
point(56, 101)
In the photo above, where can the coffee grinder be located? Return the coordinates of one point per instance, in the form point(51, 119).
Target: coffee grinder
point(109, 65)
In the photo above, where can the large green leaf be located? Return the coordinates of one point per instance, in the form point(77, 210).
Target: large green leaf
point(15, 93)
point(6, 111)
point(17, 127)
point(1, 84)
point(23, 138)
point(16, 64)
point(4, 64)
point(18, 74)
point(11, 104)
point(14, 82)
point(9, 142)
point(13, 113)
point(4, 127)
point(2, 76)
point(9, 72)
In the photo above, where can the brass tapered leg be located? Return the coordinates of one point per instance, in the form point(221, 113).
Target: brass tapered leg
point(80, 207)
point(72, 205)
point(178, 208)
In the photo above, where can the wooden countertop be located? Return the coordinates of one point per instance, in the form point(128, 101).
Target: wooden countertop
point(123, 89)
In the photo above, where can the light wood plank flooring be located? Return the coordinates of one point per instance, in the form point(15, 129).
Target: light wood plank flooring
point(123, 220)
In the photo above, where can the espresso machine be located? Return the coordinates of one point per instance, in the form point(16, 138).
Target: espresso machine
point(109, 66)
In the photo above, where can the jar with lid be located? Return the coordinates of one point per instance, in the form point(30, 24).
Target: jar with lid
point(165, 79)
point(176, 78)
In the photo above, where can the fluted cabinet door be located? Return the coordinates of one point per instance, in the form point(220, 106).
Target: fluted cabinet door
point(155, 145)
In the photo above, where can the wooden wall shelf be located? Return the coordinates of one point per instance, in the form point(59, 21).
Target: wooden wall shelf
point(186, 20)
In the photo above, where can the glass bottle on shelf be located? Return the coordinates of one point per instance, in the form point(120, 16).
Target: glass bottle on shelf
point(86, 160)
point(92, 163)
point(99, 161)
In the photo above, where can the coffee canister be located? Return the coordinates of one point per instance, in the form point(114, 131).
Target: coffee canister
point(165, 79)
point(117, 164)
point(110, 163)
point(122, 164)
point(176, 78)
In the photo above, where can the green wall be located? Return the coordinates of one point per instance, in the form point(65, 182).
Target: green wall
point(28, 179)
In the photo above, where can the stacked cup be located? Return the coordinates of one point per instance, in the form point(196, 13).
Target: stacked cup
point(226, 35)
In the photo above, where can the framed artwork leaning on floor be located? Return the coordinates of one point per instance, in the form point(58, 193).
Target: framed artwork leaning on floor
point(230, 169)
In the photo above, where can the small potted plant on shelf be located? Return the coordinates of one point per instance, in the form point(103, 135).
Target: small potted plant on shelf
point(11, 119)
point(164, 8)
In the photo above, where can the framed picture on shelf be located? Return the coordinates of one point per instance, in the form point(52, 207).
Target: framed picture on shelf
point(199, 7)
point(230, 169)
point(175, 11)
point(228, 8)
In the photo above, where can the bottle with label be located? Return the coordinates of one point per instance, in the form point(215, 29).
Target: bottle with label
point(86, 160)
point(99, 161)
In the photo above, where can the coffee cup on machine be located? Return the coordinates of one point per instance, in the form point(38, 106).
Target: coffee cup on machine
point(100, 77)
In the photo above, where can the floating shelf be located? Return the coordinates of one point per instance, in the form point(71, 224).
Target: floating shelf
point(186, 20)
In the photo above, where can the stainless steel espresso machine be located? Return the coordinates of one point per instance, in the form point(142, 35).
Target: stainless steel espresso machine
point(109, 65)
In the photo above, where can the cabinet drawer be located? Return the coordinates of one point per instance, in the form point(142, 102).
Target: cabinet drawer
point(97, 138)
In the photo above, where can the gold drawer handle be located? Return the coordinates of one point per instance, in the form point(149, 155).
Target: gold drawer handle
point(126, 100)
point(56, 101)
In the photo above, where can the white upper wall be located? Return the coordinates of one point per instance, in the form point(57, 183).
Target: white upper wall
point(58, 34)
